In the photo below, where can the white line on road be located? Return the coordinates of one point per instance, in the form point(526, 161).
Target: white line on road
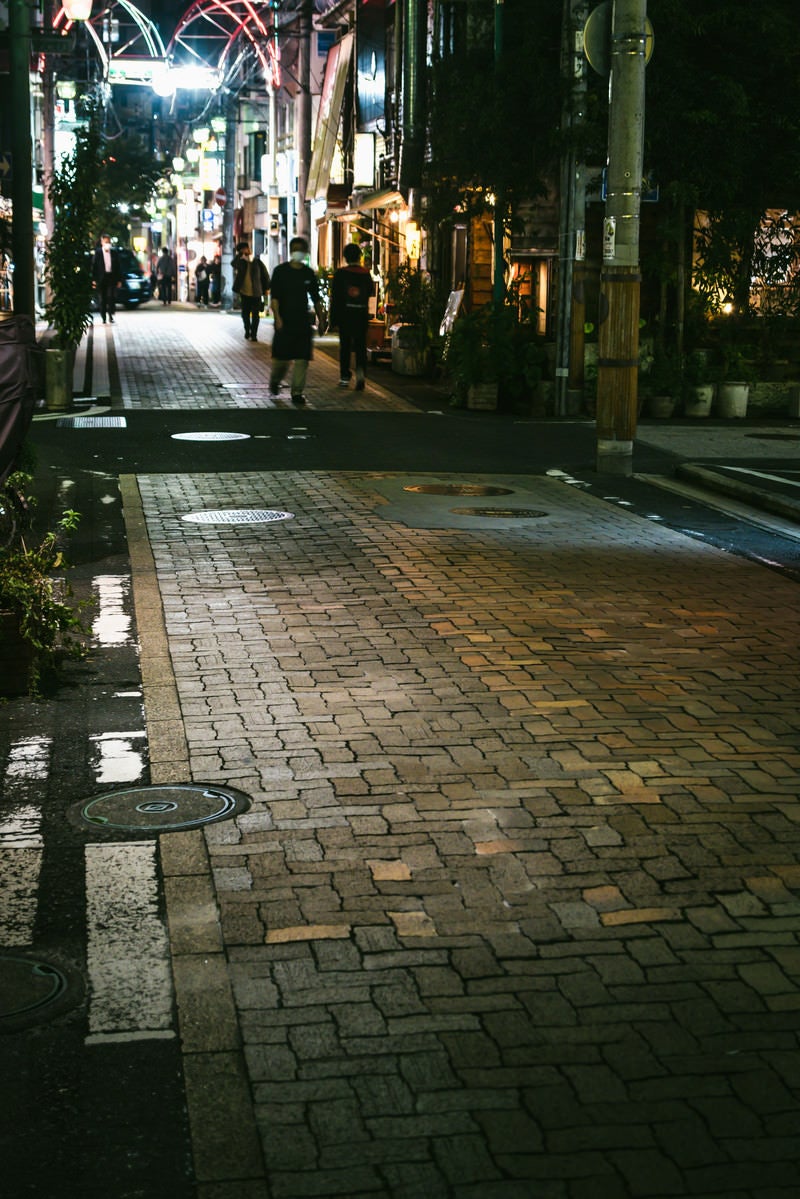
point(130, 981)
point(21, 842)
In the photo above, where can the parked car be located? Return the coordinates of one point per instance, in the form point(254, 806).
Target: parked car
point(134, 288)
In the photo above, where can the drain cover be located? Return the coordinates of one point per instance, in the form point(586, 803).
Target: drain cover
point(160, 809)
point(210, 436)
point(458, 489)
point(500, 513)
point(237, 516)
point(92, 422)
point(32, 990)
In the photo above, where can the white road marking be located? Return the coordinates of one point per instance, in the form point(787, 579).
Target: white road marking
point(112, 622)
point(128, 965)
point(116, 758)
point(21, 842)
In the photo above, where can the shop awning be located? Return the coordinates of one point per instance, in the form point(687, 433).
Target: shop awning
point(330, 111)
point(381, 199)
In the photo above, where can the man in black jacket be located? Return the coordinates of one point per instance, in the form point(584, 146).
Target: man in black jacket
point(351, 289)
point(105, 277)
point(251, 284)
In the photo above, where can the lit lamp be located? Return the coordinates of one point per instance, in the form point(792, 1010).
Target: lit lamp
point(200, 134)
point(413, 243)
point(178, 163)
point(78, 10)
point(218, 124)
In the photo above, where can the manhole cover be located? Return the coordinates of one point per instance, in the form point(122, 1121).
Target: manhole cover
point(237, 516)
point(210, 436)
point(500, 513)
point(160, 809)
point(32, 990)
point(458, 489)
point(92, 422)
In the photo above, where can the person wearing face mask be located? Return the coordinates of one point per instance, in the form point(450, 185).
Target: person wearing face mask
point(251, 284)
point(294, 291)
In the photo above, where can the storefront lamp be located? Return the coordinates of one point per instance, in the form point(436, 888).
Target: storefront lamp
point(200, 134)
point(66, 90)
point(178, 163)
point(78, 10)
point(218, 124)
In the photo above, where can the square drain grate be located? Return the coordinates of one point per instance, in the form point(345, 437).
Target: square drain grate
point(92, 422)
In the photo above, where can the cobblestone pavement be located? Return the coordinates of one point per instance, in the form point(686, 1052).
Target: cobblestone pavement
point(191, 360)
point(515, 909)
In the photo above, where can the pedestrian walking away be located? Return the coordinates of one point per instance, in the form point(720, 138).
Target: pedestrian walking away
point(251, 284)
point(215, 277)
point(295, 289)
point(201, 282)
point(351, 289)
point(165, 273)
point(105, 277)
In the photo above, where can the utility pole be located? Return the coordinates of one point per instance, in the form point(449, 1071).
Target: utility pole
point(19, 26)
point(618, 348)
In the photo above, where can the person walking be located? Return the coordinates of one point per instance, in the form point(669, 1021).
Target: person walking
point(351, 289)
point(105, 277)
point(165, 273)
point(201, 282)
point(295, 289)
point(251, 284)
point(215, 278)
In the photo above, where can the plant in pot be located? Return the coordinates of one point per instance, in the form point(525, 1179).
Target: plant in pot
point(699, 379)
point(411, 300)
point(660, 383)
point(39, 627)
point(67, 263)
point(737, 375)
point(470, 360)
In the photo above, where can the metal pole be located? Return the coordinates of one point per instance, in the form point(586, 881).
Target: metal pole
point(303, 111)
point(498, 281)
point(570, 317)
point(19, 27)
point(618, 347)
point(229, 167)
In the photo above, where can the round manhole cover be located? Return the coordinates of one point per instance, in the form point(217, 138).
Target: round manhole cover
point(160, 809)
point(500, 513)
point(237, 516)
point(458, 489)
point(210, 436)
point(32, 991)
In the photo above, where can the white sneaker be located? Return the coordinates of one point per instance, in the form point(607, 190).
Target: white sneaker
point(344, 383)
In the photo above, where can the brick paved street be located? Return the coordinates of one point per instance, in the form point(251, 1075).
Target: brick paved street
point(515, 910)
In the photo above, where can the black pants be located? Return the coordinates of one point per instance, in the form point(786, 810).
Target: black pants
point(107, 296)
point(251, 314)
point(352, 340)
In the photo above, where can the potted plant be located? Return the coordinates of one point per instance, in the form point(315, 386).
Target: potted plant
point(492, 355)
point(38, 624)
point(699, 383)
point(67, 264)
point(411, 300)
point(734, 388)
point(660, 384)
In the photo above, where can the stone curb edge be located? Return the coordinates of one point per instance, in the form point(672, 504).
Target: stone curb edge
point(755, 496)
point(226, 1146)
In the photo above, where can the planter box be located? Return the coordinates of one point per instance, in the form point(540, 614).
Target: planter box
point(482, 397)
point(409, 357)
point(58, 367)
point(661, 407)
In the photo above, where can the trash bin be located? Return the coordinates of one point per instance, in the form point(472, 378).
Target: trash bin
point(17, 390)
